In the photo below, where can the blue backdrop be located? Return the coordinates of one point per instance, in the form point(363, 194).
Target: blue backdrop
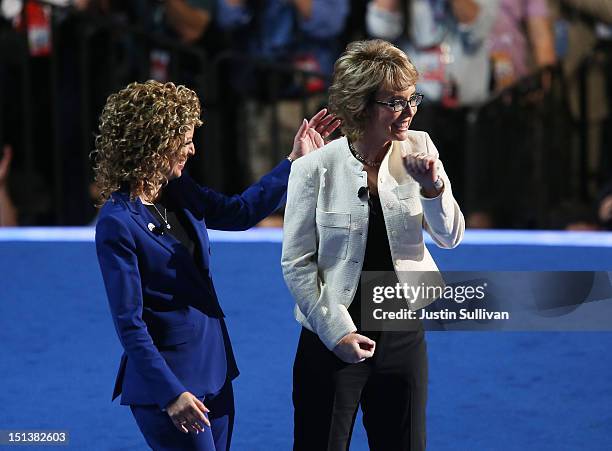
point(488, 390)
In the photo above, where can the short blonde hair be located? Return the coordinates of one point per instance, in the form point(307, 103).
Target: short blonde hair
point(141, 134)
point(364, 68)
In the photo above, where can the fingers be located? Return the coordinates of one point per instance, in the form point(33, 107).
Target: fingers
point(362, 354)
point(365, 342)
point(364, 347)
point(301, 133)
point(317, 117)
point(316, 138)
point(191, 416)
point(359, 354)
point(367, 346)
point(193, 426)
point(196, 421)
point(201, 409)
point(328, 124)
point(409, 164)
point(354, 348)
point(419, 163)
point(191, 423)
point(334, 125)
point(324, 122)
point(181, 424)
point(200, 405)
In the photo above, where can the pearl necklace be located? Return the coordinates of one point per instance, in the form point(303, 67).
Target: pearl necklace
point(361, 158)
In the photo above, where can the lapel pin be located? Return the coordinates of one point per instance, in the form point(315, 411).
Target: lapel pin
point(157, 230)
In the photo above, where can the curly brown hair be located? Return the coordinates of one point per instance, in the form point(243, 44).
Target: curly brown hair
point(141, 135)
point(364, 68)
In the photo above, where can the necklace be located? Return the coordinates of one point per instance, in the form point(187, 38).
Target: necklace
point(361, 158)
point(164, 217)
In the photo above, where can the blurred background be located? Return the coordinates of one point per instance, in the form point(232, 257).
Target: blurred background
point(517, 100)
point(517, 94)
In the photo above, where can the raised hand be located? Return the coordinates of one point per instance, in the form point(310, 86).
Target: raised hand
point(311, 134)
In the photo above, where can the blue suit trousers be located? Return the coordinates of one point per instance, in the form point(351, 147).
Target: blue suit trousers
point(161, 434)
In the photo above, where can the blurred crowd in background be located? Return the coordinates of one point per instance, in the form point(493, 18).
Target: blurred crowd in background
point(517, 94)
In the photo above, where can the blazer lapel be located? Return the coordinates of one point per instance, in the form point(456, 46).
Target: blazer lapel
point(203, 242)
point(145, 220)
point(210, 303)
point(199, 226)
point(355, 167)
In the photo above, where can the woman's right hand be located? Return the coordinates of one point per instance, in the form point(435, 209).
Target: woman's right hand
point(187, 413)
point(354, 348)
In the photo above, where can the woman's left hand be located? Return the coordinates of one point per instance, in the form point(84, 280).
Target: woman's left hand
point(311, 134)
point(422, 168)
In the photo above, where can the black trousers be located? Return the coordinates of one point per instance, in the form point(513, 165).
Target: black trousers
point(391, 388)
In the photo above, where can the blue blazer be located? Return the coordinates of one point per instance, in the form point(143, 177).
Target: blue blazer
point(162, 301)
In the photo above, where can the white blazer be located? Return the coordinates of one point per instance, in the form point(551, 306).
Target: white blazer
point(326, 227)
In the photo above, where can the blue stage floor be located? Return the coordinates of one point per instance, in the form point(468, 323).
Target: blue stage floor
point(488, 390)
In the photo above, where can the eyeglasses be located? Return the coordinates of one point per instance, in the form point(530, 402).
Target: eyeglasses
point(401, 104)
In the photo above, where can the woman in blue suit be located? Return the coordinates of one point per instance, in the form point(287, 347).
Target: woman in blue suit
point(153, 250)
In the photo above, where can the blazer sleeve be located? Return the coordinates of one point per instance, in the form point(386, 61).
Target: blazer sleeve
point(240, 211)
point(119, 265)
point(316, 301)
point(442, 217)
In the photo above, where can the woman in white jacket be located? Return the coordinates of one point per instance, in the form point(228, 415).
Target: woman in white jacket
point(361, 204)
